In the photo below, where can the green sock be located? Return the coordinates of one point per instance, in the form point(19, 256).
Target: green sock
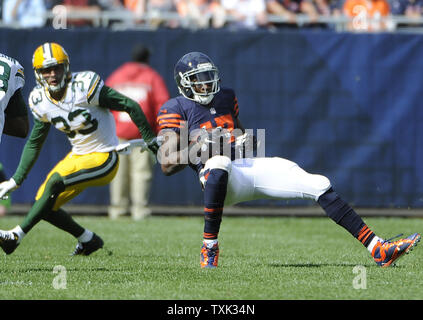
point(62, 220)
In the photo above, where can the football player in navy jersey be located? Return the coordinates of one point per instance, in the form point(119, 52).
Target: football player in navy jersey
point(201, 129)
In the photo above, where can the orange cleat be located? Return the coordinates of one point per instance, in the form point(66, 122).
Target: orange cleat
point(385, 253)
point(209, 255)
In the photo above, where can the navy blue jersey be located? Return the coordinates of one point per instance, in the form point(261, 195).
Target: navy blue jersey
point(180, 113)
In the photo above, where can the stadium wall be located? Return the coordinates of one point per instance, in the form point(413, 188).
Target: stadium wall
point(345, 105)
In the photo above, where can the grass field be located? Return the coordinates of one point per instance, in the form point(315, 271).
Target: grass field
point(261, 259)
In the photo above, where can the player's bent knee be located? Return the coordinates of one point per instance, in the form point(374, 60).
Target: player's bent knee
point(55, 184)
point(219, 162)
point(321, 185)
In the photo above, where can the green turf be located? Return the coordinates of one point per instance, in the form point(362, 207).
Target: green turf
point(261, 258)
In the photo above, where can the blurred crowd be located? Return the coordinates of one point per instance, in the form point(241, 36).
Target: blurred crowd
point(354, 15)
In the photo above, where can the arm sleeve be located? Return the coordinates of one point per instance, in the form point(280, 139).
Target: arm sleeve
point(31, 150)
point(16, 106)
point(113, 100)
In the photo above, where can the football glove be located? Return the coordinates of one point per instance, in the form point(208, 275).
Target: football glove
point(153, 145)
point(6, 187)
point(126, 147)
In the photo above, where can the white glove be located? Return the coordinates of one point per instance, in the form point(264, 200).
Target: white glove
point(125, 148)
point(6, 187)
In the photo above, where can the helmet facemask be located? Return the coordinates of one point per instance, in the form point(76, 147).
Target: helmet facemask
point(200, 84)
point(62, 82)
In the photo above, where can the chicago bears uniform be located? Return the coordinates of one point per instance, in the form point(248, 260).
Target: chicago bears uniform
point(180, 113)
point(78, 104)
point(11, 80)
point(229, 180)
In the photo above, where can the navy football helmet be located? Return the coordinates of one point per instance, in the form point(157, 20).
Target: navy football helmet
point(197, 77)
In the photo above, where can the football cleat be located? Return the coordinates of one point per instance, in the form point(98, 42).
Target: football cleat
point(209, 255)
point(86, 248)
point(385, 253)
point(8, 241)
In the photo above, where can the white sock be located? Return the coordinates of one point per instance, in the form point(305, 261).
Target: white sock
point(18, 230)
point(373, 243)
point(210, 242)
point(85, 236)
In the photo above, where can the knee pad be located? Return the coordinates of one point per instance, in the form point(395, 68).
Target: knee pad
point(219, 162)
point(321, 184)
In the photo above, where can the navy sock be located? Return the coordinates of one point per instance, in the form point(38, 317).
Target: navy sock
point(214, 199)
point(340, 212)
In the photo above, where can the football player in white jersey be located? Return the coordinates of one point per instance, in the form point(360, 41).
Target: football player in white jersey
point(13, 110)
point(77, 104)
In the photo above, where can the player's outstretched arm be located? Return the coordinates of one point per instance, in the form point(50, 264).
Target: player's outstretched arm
point(16, 127)
point(16, 122)
point(113, 100)
point(169, 155)
point(31, 150)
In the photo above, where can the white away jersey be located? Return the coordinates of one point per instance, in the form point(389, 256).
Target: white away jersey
point(89, 127)
point(11, 79)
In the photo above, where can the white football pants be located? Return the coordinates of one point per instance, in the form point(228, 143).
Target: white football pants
point(272, 178)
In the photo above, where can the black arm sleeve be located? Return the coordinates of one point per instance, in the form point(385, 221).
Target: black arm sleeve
point(16, 106)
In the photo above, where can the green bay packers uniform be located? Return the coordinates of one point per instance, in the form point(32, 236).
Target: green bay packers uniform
point(89, 127)
point(12, 79)
point(83, 114)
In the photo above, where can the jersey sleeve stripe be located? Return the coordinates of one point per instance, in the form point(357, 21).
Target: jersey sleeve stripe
point(93, 88)
point(170, 125)
point(169, 121)
point(170, 115)
point(20, 73)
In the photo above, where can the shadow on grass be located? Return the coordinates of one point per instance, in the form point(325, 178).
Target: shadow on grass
point(318, 265)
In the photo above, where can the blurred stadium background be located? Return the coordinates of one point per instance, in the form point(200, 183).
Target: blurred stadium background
point(341, 102)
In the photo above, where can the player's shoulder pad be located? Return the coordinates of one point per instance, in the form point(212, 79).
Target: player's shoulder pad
point(170, 106)
point(171, 116)
point(36, 101)
point(19, 74)
point(36, 91)
point(36, 88)
point(88, 81)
